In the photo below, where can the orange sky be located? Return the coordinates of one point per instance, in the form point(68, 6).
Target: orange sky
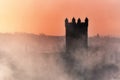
point(47, 16)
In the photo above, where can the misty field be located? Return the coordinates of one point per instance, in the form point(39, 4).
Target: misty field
point(38, 57)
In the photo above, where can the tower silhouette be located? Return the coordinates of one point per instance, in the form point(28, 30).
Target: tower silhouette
point(76, 34)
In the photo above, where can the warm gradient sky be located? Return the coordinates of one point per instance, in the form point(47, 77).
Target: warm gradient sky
point(47, 16)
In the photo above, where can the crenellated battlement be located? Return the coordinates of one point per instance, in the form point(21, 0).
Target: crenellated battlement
point(73, 22)
point(76, 34)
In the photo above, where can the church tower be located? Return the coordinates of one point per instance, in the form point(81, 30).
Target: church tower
point(76, 34)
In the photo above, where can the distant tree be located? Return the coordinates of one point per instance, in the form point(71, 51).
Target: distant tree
point(97, 35)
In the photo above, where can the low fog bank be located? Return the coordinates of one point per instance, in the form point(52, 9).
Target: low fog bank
point(34, 57)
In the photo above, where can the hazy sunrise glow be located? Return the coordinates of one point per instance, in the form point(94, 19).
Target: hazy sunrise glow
point(47, 16)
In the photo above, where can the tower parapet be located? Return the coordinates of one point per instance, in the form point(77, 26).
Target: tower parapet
point(76, 34)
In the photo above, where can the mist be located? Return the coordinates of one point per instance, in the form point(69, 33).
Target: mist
point(40, 57)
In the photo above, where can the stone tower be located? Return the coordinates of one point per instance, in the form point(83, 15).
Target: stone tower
point(76, 34)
